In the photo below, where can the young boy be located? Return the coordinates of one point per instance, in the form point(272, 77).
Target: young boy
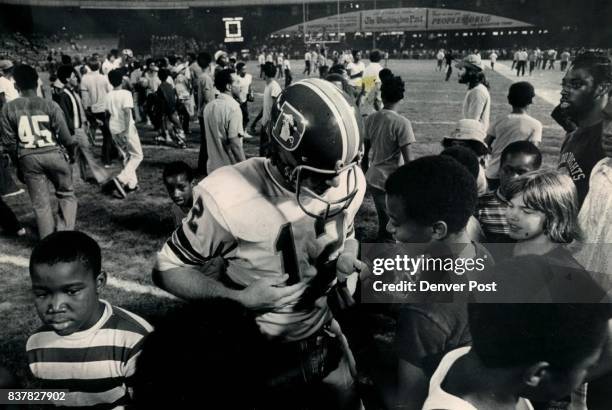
point(32, 130)
point(516, 159)
point(516, 126)
point(119, 105)
point(178, 179)
point(520, 352)
point(419, 195)
point(85, 345)
point(168, 99)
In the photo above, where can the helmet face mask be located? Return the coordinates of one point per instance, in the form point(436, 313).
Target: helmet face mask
point(316, 135)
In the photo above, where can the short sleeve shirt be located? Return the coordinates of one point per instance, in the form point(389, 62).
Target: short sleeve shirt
point(271, 91)
point(511, 128)
point(580, 151)
point(116, 102)
point(222, 121)
point(387, 131)
point(7, 87)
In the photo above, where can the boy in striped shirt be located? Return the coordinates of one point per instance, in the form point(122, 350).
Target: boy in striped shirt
point(86, 345)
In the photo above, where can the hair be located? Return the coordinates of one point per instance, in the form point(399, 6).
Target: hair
point(554, 194)
point(240, 65)
point(465, 157)
point(522, 147)
point(26, 77)
point(521, 94)
point(204, 59)
point(209, 340)
point(67, 246)
point(223, 78)
point(375, 56)
point(114, 52)
point(163, 74)
point(66, 59)
point(521, 334)
point(392, 89)
point(94, 64)
point(172, 60)
point(269, 69)
point(64, 72)
point(435, 188)
point(385, 74)
point(597, 63)
point(178, 168)
point(115, 77)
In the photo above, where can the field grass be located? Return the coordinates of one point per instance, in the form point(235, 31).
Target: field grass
point(132, 230)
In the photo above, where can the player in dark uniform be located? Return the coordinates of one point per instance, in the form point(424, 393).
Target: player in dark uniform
point(34, 132)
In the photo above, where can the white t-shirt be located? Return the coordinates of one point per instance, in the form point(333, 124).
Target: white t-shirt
point(116, 101)
point(438, 399)
point(286, 64)
point(307, 56)
point(7, 86)
point(245, 83)
point(522, 56)
point(440, 55)
point(271, 91)
point(493, 57)
point(511, 128)
point(477, 105)
point(355, 68)
point(261, 59)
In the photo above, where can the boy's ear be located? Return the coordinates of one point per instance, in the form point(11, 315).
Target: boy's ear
point(603, 89)
point(535, 374)
point(100, 281)
point(439, 230)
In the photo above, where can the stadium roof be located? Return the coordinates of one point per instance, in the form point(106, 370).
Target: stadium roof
point(156, 4)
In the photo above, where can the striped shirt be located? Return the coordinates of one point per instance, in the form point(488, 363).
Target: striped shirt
point(95, 365)
point(491, 213)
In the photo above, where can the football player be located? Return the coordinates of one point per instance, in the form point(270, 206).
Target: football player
point(284, 228)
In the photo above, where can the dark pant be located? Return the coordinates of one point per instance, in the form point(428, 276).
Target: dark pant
point(531, 66)
point(109, 151)
point(379, 197)
point(306, 68)
point(7, 185)
point(563, 65)
point(288, 78)
point(203, 155)
point(244, 107)
point(38, 170)
point(449, 71)
point(264, 140)
point(8, 221)
point(520, 68)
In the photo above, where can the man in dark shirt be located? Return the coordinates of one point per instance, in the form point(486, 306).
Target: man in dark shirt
point(585, 91)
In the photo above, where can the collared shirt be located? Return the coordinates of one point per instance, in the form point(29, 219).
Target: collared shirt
point(94, 87)
point(491, 213)
point(223, 122)
point(477, 105)
point(271, 91)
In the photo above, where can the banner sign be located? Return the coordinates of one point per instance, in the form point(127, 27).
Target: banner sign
point(404, 19)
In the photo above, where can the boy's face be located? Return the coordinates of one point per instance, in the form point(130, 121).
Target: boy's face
point(235, 86)
point(524, 223)
point(66, 296)
point(180, 190)
point(515, 165)
point(73, 80)
point(402, 228)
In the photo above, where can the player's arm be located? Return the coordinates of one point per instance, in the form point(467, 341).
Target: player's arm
point(200, 239)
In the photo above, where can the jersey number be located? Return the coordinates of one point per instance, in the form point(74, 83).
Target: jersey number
point(196, 212)
point(285, 244)
point(31, 134)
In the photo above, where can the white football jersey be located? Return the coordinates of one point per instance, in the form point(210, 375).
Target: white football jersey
point(244, 215)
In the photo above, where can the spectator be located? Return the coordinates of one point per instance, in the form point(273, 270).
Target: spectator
point(585, 92)
point(477, 102)
point(223, 122)
point(246, 91)
point(271, 93)
point(516, 126)
point(389, 135)
point(179, 181)
point(371, 84)
point(206, 94)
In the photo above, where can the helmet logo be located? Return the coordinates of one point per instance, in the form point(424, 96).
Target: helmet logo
point(289, 127)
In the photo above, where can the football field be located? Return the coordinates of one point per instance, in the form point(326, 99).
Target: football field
point(130, 231)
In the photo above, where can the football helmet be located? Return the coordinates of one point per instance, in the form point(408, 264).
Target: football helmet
point(315, 123)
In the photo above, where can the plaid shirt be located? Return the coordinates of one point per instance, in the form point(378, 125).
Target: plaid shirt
point(491, 213)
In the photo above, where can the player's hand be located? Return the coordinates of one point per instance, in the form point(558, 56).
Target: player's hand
point(346, 265)
point(269, 294)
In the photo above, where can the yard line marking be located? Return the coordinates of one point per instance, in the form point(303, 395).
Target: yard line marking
point(122, 284)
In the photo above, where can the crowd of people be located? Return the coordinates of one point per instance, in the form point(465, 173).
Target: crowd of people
point(265, 249)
